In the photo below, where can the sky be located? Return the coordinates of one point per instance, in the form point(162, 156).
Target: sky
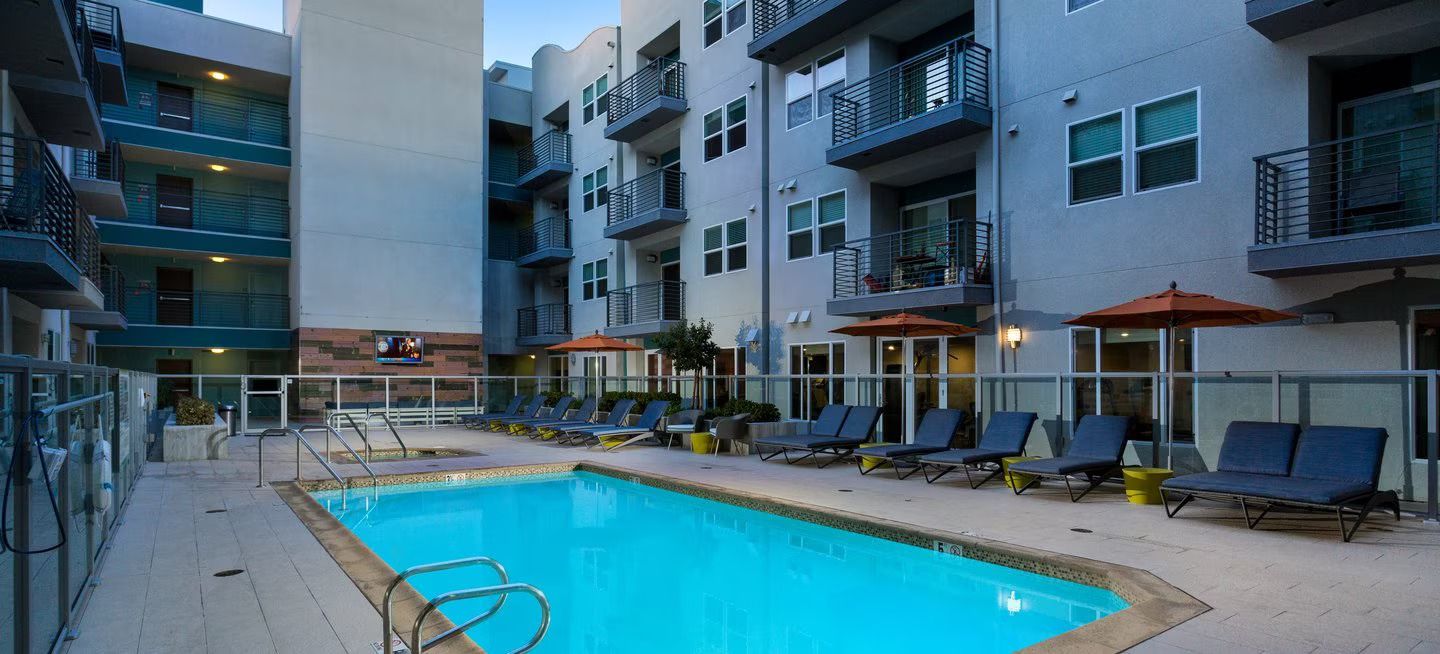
point(514, 29)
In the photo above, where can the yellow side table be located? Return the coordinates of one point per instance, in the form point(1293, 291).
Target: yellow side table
point(1142, 485)
point(1016, 480)
point(701, 442)
point(871, 462)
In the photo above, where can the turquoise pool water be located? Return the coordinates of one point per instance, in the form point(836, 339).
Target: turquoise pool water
point(632, 568)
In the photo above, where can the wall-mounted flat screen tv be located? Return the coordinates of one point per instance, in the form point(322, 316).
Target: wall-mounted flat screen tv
point(399, 349)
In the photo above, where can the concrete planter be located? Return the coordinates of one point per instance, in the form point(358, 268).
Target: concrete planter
point(755, 430)
point(195, 442)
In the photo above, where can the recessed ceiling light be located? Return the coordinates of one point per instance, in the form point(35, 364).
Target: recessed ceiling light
point(218, 76)
point(219, 259)
point(219, 168)
point(1124, 334)
point(217, 350)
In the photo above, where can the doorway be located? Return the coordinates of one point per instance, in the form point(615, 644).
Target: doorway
point(905, 400)
point(174, 201)
point(175, 106)
point(174, 296)
point(1424, 355)
point(672, 300)
point(171, 389)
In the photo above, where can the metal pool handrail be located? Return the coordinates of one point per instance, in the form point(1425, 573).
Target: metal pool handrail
point(299, 440)
point(473, 593)
point(404, 451)
point(386, 620)
point(335, 419)
point(329, 431)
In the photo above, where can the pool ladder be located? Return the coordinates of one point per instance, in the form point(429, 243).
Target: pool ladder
point(501, 591)
point(299, 435)
point(364, 435)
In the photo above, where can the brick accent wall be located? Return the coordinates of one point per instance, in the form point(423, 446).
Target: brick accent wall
point(352, 352)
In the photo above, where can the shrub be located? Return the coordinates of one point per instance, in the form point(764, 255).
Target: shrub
point(642, 398)
point(759, 411)
point(194, 411)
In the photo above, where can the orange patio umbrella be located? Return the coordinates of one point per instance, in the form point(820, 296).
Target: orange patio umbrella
point(1175, 309)
point(905, 325)
point(595, 344)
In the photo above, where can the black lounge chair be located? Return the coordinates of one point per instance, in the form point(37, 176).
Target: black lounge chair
point(935, 433)
point(858, 427)
point(1005, 436)
point(1095, 454)
point(475, 420)
point(582, 417)
point(827, 425)
point(1331, 469)
point(574, 434)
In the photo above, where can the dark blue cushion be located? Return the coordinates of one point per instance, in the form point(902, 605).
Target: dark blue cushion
point(859, 422)
point(1100, 437)
point(654, 411)
point(938, 427)
point(1064, 465)
point(830, 420)
point(1350, 454)
point(619, 411)
point(967, 456)
point(897, 450)
point(1007, 431)
point(1258, 447)
point(1267, 486)
point(808, 441)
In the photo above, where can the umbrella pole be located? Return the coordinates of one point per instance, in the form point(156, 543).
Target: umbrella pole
point(1169, 399)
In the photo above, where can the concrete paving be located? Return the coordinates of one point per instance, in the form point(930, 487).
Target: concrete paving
point(1289, 586)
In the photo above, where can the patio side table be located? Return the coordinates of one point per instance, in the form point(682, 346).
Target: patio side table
point(1142, 485)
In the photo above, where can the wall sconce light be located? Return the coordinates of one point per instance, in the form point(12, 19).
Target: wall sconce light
point(650, 161)
point(651, 258)
point(217, 350)
point(1013, 336)
point(752, 339)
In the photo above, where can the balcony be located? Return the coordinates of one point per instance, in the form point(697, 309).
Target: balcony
point(209, 123)
point(543, 244)
point(112, 316)
point(201, 220)
point(1365, 202)
point(107, 35)
point(544, 160)
point(1281, 19)
point(939, 96)
point(786, 28)
point(646, 101)
point(644, 309)
point(931, 267)
point(48, 246)
point(98, 179)
point(202, 319)
point(646, 204)
point(545, 324)
point(46, 46)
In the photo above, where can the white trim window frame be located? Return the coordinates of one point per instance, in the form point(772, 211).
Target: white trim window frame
point(1071, 166)
point(818, 243)
point(594, 279)
point(1070, 7)
point(727, 128)
point(595, 100)
point(728, 246)
point(807, 229)
point(812, 81)
point(595, 189)
point(1139, 150)
point(727, 16)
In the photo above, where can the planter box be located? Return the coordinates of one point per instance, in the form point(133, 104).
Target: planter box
point(195, 442)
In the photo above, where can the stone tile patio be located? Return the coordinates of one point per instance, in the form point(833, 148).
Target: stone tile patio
point(1290, 586)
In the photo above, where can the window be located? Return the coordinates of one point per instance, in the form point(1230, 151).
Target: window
point(595, 188)
point(725, 129)
point(595, 279)
point(717, 22)
point(725, 247)
point(594, 99)
point(831, 219)
point(1095, 158)
point(815, 226)
point(1167, 141)
point(1072, 6)
point(1141, 353)
point(809, 91)
point(798, 222)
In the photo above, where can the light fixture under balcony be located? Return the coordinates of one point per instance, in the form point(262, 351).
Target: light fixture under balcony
point(219, 259)
point(217, 75)
point(219, 168)
point(217, 350)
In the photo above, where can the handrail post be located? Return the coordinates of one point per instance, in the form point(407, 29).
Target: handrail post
point(1432, 448)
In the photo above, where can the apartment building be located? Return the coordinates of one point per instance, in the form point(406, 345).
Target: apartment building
point(782, 169)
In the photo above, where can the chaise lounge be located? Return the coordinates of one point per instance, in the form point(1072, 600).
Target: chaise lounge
point(935, 433)
point(1005, 436)
point(857, 428)
point(1095, 453)
point(826, 425)
point(575, 434)
point(1330, 469)
point(477, 420)
point(531, 410)
point(582, 417)
point(645, 427)
point(557, 412)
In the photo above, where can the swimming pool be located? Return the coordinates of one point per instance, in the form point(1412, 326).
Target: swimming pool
point(633, 568)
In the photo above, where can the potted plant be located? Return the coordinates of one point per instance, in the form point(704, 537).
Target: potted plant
point(763, 419)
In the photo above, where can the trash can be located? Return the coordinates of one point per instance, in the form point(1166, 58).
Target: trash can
point(227, 413)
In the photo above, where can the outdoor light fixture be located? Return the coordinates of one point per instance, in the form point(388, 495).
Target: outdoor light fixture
point(1013, 336)
point(217, 350)
point(1124, 334)
point(752, 339)
point(219, 168)
point(219, 259)
point(532, 356)
point(218, 76)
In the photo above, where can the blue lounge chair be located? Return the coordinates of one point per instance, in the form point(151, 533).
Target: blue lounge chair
point(645, 427)
point(575, 434)
point(1095, 454)
point(581, 417)
point(556, 412)
point(531, 410)
point(858, 428)
point(475, 420)
point(1331, 468)
point(1005, 435)
point(827, 425)
point(935, 433)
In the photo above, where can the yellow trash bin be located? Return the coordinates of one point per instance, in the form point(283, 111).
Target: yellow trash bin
point(1016, 480)
point(1142, 485)
point(701, 442)
point(871, 462)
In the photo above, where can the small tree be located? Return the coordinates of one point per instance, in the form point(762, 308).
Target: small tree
point(688, 346)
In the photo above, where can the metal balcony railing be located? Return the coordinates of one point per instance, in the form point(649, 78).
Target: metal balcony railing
point(149, 306)
point(213, 113)
point(214, 211)
point(543, 320)
point(954, 253)
point(957, 72)
point(83, 33)
point(1382, 181)
point(552, 147)
point(504, 167)
point(36, 197)
point(650, 302)
point(106, 30)
point(661, 189)
point(112, 284)
point(106, 165)
point(661, 77)
point(547, 233)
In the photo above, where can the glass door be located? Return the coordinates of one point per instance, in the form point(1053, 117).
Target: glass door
point(906, 399)
point(1386, 181)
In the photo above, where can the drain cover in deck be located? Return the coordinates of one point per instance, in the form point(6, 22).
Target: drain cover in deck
point(228, 573)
